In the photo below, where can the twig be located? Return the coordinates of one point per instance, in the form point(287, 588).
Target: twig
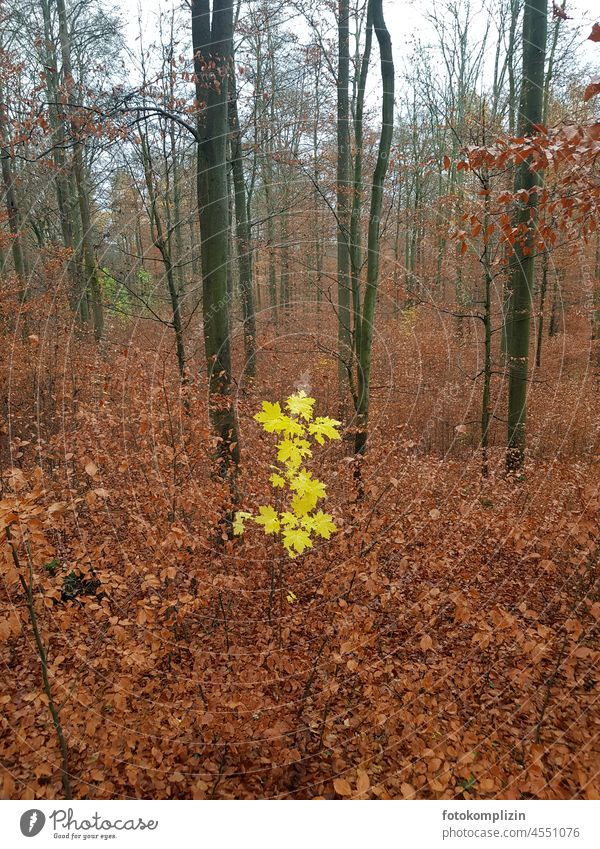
point(28, 590)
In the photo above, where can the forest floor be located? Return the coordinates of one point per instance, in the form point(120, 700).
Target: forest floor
point(443, 644)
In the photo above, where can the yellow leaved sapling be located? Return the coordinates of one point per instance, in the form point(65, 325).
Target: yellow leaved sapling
point(300, 521)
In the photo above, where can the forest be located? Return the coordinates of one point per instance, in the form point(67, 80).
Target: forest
point(299, 376)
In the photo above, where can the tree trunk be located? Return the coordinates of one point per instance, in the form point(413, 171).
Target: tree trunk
point(284, 264)
point(374, 235)
point(270, 213)
point(487, 339)
point(177, 227)
point(243, 236)
point(596, 304)
point(58, 156)
point(540, 328)
point(162, 244)
point(545, 109)
point(342, 206)
point(553, 323)
point(514, 7)
point(12, 205)
point(92, 283)
point(213, 49)
point(523, 263)
point(357, 189)
point(316, 196)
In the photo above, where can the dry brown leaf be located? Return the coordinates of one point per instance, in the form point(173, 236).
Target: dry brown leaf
point(362, 781)
point(342, 787)
point(426, 642)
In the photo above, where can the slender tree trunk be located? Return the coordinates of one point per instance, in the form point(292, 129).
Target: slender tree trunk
point(596, 304)
point(487, 331)
point(374, 234)
point(316, 196)
point(89, 259)
point(514, 7)
point(12, 206)
point(160, 242)
point(441, 251)
point(510, 59)
point(342, 204)
point(407, 231)
point(550, 64)
point(357, 190)
point(545, 108)
point(270, 215)
point(195, 244)
point(553, 323)
point(540, 328)
point(92, 283)
point(414, 236)
point(230, 256)
point(177, 228)
point(213, 50)
point(82, 292)
point(243, 236)
point(58, 155)
point(284, 268)
point(397, 251)
point(523, 263)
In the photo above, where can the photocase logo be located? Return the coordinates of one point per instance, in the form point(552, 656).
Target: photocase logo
point(32, 822)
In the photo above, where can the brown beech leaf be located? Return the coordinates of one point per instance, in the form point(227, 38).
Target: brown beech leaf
point(595, 33)
point(342, 787)
point(591, 90)
point(426, 642)
point(362, 781)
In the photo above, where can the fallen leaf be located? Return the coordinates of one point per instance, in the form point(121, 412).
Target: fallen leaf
point(342, 787)
point(362, 781)
point(426, 642)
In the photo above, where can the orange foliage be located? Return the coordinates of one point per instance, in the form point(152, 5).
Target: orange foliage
point(443, 644)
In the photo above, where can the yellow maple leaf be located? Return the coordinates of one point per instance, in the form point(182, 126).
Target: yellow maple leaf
point(319, 523)
point(324, 427)
point(269, 519)
point(292, 427)
point(296, 541)
point(304, 484)
point(270, 417)
point(303, 504)
point(288, 520)
point(291, 451)
point(301, 405)
point(238, 522)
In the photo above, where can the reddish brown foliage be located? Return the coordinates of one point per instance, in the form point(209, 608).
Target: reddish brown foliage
point(443, 644)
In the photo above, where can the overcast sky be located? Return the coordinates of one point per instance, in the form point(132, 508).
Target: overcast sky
point(407, 21)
